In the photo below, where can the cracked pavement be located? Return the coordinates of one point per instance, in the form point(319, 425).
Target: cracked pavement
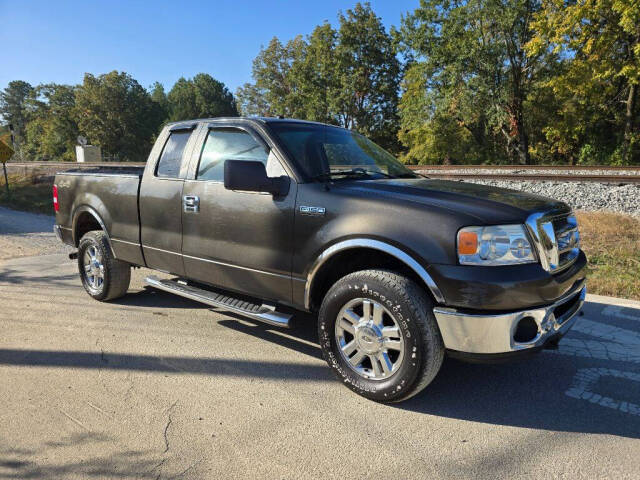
point(155, 386)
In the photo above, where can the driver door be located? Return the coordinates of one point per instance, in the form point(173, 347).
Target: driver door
point(239, 241)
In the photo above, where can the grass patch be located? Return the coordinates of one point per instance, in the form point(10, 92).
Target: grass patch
point(27, 193)
point(612, 244)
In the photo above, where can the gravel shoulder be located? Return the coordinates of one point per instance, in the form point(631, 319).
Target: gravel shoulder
point(24, 234)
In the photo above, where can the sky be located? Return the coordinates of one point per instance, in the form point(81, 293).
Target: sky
point(58, 41)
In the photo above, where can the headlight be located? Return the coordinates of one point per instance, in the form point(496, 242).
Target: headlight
point(494, 245)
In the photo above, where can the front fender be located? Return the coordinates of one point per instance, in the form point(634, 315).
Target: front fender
point(373, 244)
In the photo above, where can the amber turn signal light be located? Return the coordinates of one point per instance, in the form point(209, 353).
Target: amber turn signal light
point(467, 243)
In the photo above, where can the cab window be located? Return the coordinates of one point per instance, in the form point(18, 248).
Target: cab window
point(232, 144)
point(172, 155)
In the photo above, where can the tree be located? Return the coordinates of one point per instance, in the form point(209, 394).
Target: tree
point(349, 77)
point(200, 97)
point(368, 76)
point(276, 90)
point(52, 129)
point(316, 75)
point(160, 103)
point(469, 62)
point(600, 40)
point(117, 114)
point(251, 101)
point(12, 105)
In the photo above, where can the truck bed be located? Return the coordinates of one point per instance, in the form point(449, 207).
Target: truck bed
point(112, 193)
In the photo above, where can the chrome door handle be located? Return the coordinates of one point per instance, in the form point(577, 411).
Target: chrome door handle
point(191, 203)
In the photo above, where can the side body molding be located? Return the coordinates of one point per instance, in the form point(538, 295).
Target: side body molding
point(377, 245)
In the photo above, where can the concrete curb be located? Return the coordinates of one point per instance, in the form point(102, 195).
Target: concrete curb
point(622, 302)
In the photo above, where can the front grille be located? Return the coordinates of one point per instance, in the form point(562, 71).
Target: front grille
point(556, 239)
point(565, 310)
point(568, 240)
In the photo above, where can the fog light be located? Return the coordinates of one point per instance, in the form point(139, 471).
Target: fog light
point(526, 330)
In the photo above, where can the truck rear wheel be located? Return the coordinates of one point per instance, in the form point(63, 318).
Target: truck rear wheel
point(378, 333)
point(103, 277)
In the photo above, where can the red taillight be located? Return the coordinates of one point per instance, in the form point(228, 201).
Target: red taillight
point(56, 206)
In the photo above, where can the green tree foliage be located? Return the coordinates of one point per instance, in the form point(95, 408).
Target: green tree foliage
point(200, 97)
point(318, 76)
point(597, 86)
point(348, 77)
point(480, 81)
point(117, 114)
point(467, 65)
point(277, 72)
point(52, 129)
point(12, 105)
point(369, 76)
point(160, 103)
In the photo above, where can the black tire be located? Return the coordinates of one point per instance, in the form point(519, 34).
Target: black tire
point(116, 273)
point(412, 312)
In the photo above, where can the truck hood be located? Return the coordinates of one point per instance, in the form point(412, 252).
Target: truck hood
point(491, 205)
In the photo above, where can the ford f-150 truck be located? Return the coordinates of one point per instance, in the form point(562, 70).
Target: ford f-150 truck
point(267, 216)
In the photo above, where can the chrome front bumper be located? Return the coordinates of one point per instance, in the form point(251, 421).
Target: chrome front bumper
point(491, 334)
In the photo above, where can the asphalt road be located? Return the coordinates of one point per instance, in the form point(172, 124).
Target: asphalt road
point(154, 386)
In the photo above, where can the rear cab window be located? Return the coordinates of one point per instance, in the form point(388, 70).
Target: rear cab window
point(172, 155)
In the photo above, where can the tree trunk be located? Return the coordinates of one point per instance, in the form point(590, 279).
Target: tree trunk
point(629, 124)
point(523, 142)
point(522, 147)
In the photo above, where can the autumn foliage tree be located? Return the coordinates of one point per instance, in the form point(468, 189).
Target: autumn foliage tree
point(597, 83)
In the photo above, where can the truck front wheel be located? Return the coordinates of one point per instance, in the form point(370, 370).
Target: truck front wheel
point(378, 333)
point(103, 277)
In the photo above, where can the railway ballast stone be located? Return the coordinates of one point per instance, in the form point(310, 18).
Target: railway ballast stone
point(581, 196)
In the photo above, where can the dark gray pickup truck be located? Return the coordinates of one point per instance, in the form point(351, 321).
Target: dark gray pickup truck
point(264, 217)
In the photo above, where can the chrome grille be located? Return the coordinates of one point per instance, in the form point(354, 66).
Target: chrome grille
point(556, 239)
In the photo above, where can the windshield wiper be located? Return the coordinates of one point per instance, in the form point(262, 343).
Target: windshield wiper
point(354, 172)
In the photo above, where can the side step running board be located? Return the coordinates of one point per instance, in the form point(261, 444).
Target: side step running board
point(263, 313)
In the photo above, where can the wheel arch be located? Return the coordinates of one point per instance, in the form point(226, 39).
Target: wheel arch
point(86, 219)
point(357, 253)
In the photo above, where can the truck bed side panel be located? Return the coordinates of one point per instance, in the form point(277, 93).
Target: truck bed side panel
point(113, 198)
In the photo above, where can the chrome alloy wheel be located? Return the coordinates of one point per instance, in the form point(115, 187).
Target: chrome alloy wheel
point(93, 267)
point(369, 339)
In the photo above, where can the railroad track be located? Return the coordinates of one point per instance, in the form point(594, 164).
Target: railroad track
point(617, 179)
point(630, 168)
point(631, 173)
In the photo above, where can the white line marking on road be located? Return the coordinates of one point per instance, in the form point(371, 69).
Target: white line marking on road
point(595, 349)
point(607, 332)
point(585, 380)
point(612, 344)
point(619, 312)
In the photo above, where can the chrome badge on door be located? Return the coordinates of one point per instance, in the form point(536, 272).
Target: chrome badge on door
point(316, 211)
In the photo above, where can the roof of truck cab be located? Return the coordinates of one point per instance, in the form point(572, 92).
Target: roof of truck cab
point(250, 119)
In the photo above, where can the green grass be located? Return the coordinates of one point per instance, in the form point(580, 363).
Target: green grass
point(26, 195)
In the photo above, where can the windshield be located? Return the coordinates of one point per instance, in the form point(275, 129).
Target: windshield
point(324, 152)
